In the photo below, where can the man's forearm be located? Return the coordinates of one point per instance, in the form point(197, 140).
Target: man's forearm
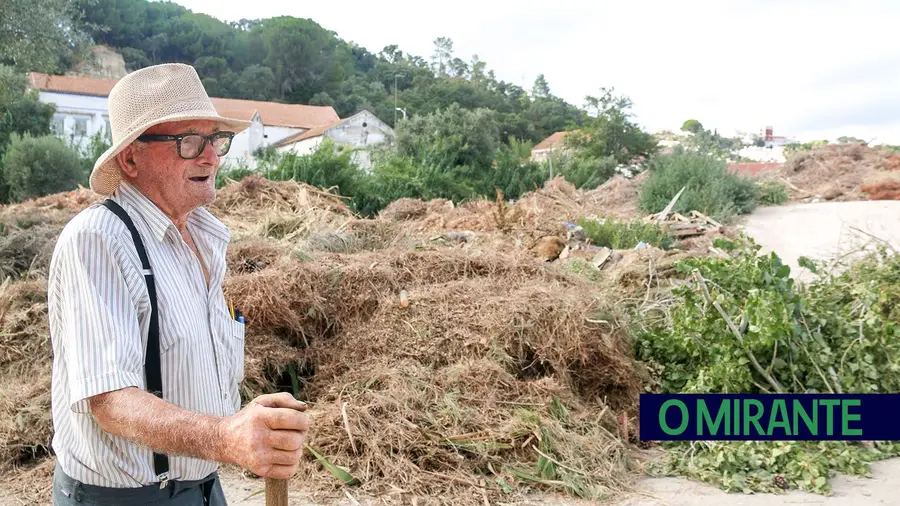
point(147, 420)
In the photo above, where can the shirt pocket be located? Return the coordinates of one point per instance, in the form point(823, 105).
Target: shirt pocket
point(234, 337)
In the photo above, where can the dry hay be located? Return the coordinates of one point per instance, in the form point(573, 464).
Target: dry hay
point(461, 381)
point(404, 209)
point(838, 171)
point(285, 210)
point(25, 358)
point(617, 197)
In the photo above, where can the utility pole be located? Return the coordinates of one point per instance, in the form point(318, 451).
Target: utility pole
point(395, 100)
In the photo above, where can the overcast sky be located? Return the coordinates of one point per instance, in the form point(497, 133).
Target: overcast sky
point(811, 69)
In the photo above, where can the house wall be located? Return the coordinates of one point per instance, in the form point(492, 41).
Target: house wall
point(304, 147)
point(274, 134)
point(363, 130)
point(77, 117)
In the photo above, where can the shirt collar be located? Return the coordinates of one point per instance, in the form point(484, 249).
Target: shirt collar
point(160, 224)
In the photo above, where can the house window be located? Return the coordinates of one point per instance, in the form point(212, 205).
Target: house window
point(58, 125)
point(80, 126)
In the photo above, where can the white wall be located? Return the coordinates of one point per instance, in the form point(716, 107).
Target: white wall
point(274, 134)
point(304, 147)
point(74, 111)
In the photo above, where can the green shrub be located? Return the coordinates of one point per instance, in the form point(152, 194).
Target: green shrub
point(583, 171)
point(625, 234)
point(772, 193)
point(38, 166)
point(709, 187)
point(838, 334)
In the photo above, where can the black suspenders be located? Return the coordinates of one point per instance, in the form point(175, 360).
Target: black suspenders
point(152, 365)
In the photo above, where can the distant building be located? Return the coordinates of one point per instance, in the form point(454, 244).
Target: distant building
point(81, 112)
point(362, 130)
point(771, 140)
point(556, 142)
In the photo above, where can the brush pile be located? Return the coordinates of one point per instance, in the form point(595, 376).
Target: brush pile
point(842, 172)
point(453, 369)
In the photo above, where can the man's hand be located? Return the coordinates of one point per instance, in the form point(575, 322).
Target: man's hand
point(267, 436)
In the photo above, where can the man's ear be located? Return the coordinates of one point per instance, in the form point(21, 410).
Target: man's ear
point(125, 158)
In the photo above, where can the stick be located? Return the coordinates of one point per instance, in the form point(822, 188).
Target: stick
point(734, 330)
point(665, 212)
point(347, 427)
point(276, 492)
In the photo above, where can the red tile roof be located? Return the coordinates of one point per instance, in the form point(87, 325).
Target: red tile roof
point(752, 169)
point(553, 141)
point(272, 113)
point(308, 134)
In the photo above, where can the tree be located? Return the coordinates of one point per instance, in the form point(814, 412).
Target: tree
point(849, 140)
point(442, 56)
point(44, 38)
point(20, 110)
point(541, 89)
point(693, 126)
point(610, 131)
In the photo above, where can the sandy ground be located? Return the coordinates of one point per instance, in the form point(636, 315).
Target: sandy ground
point(883, 488)
point(824, 230)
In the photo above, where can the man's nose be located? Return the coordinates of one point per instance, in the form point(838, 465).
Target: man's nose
point(208, 156)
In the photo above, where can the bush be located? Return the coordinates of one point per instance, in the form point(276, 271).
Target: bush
point(38, 166)
point(838, 334)
point(624, 234)
point(584, 171)
point(709, 187)
point(772, 193)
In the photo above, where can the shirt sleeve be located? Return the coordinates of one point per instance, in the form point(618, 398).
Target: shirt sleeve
point(102, 339)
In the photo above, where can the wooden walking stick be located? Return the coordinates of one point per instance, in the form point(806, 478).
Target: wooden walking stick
point(276, 492)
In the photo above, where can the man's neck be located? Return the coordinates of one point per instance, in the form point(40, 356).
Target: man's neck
point(178, 219)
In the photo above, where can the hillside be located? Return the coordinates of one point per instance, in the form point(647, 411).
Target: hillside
point(298, 61)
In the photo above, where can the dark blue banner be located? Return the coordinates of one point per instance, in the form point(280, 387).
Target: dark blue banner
point(772, 417)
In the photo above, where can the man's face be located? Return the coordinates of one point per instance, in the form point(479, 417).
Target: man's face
point(176, 185)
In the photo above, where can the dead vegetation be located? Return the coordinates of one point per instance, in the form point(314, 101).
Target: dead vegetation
point(842, 172)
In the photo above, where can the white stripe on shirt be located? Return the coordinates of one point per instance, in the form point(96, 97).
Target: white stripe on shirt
point(99, 312)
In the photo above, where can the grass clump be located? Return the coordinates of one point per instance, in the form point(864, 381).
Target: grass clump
point(709, 187)
point(617, 234)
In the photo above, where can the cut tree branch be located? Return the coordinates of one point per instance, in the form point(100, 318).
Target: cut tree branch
point(737, 334)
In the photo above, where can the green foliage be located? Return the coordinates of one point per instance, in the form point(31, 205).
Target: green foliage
point(751, 466)
point(38, 166)
point(461, 141)
point(296, 60)
point(709, 187)
point(803, 146)
point(20, 110)
point(583, 170)
point(839, 334)
point(693, 126)
point(611, 131)
point(625, 234)
point(44, 37)
point(512, 172)
point(329, 166)
point(772, 193)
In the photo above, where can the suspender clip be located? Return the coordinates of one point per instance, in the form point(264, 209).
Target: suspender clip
point(164, 480)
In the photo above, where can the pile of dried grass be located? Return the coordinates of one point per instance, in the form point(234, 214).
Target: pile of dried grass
point(884, 190)
point(494, 354)
point(838, 171)
point(285, 210)
point(25, 357)
point(617, 197)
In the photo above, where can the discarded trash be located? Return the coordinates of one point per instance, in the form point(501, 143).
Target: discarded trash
point(404, 298)
point(641, 245)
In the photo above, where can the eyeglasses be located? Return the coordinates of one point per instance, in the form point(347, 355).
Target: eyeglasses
point(190, 146)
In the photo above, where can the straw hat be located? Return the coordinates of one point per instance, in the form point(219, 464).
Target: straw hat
point(148, 97)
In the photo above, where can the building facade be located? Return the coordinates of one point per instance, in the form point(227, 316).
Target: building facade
point(82, 112)
point(359, 132)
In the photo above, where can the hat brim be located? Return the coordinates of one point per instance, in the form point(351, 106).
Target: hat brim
point(106, 175)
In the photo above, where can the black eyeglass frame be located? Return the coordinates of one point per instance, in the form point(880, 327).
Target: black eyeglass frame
point(178, 138)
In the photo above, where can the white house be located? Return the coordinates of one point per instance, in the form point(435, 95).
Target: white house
point(362, 130)
point(82, 111)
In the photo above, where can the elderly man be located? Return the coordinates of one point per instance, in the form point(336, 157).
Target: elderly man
point(147, 353)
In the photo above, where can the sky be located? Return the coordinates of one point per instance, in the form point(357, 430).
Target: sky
point(809, 69)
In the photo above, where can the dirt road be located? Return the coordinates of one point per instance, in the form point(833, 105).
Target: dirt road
point(883, 488)
point(823, 230)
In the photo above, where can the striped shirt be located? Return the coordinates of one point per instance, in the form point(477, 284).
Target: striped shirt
point(99, 312)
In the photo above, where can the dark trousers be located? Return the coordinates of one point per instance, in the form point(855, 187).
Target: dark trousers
point(205, 492)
